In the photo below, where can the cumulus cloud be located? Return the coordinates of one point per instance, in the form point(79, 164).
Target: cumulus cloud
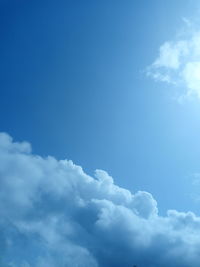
point(178, 61)
point(54, 214)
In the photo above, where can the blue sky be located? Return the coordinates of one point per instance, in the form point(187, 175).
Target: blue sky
point(110, 85)
point(73, 84)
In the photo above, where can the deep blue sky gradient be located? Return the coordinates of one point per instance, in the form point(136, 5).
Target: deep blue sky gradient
point(73, 84)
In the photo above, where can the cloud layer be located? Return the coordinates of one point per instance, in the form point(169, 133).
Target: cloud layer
point(178, 61)
point(53, 214)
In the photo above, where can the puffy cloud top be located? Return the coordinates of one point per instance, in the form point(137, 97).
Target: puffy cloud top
point(53, 214)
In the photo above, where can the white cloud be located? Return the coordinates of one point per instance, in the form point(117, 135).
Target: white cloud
point(191, 76)
point(171, 54)
point(178, 62)
point(53, 214)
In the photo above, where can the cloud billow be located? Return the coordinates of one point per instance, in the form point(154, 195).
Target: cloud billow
point(53, 214)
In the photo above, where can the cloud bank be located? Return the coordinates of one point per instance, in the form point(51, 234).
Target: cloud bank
point(53, 214)
point(178, 61)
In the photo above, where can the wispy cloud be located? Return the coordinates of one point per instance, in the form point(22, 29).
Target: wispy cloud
point(53, 214)
point(178, 61)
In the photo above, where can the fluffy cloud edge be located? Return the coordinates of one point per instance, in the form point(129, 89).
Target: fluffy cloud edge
point(68, 218)
point(178, 62)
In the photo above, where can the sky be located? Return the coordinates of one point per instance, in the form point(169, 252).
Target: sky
point(100, 126)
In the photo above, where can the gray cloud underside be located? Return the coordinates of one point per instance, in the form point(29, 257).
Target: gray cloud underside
point(53, 214)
